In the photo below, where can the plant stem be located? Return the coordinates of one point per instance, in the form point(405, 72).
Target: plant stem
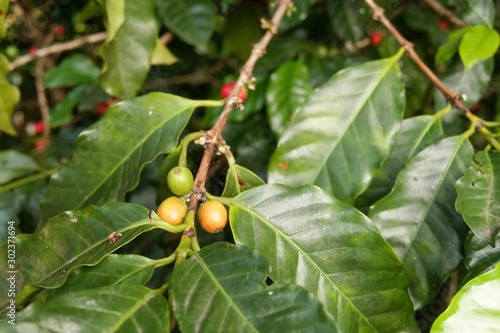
point(23, 181)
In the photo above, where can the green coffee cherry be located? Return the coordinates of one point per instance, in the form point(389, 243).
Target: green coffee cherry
point(180, 180)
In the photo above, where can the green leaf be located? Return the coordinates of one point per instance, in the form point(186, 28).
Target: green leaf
point(480, 256)
point(162, 55)
point(414, 135)
point(330, 248)
point(286, 92)
point(9, 208)
point(4, 7)
point(472, 81)
point(479, 195)
point(193, 21)
point(478, 43)
point(113, 270)
point(475, 308)
point(418, 217)
point(358, 110)
point(450, 47)
point(349, 18)
point(114, 17)
point(9, 97)
point(222, 288)
point(480, 12)
point(14, 164)
point(131, 134)
point(122, 308)
point(127, 56)
point(62, 113)
point(69, 241)
point(240, 179)
point(73, 70)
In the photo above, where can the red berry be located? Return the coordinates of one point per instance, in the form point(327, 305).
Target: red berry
point(39, 127)
point(376, 38)
point(32, 50)
point(226, 89)
point(101, 108)
point(35, 128)
point(59, 30)
point(443, 25)
point(40, 144)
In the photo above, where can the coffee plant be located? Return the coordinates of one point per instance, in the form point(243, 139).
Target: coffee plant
point(249, 166)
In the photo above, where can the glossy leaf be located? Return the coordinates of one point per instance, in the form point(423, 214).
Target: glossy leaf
point(14, 164)
point(193, 21)
point(122, 308)
point(478, 43)
point(358, 110)
point(222, 288)
point(331, 249)
point(472, 81)
point(127, 55)
point(131, 134)
point(480, 12)
point(447, 50)
point(348, 19)
point(287, 90)
point(418, 217)
point(113, 270)
point(475, 308)
point(414, 135)
point(73, 70)
point(9, 97)
point(479, 195)
point(68, 241)
point(240, 179)
point(480, 256)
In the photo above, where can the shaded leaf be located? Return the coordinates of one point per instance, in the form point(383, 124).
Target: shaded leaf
point(62, 113)
point(9, 208)
point(68, 241)
point(240, 179)
point(299, 14)
point(9, 97)
point(113, 270)
point(475, 308)
point(330, 248)
point(478, 43)
point(447, 50)
point(414, 135)
point(348, 19)
point(479, 195)
point(287, 90)
point(418, 217)
point(14, 164)
point(480, 256)
point(122, 308)
point(73, 70)
point(480, 12)
point(193, 21)
point(127, 55)
point(222, 288)
point(358, 110)
point(131, 134)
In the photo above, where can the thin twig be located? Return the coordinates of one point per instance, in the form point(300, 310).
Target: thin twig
point(445, 13)
point(452, 97)
point(214, 135)
point(57, 48)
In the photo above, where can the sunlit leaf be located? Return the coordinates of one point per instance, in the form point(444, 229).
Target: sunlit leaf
point(122, 308)
point(478, 43)
point(9, 97)
point(343, 132)
point(116, 148)
point(475, 308)
point(418, 216)
point(331, 249)
point(222, 288)
point(479, 195)
point(162, 55)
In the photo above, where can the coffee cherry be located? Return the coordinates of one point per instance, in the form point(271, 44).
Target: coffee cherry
point(226, 89)
point(376, 38)
point(173, 210)
point(443, 25)
point(212, 216)
point(59, 30)
point(180, 180)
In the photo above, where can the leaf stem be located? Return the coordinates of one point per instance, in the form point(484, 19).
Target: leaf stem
point(26, 180)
